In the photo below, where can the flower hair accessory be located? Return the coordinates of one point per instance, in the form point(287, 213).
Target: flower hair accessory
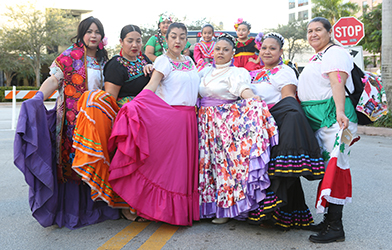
point(236, 24)
point(103, 42)
point(241, 21)
point(259, 40)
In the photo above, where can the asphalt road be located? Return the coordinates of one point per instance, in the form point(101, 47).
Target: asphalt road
point(367, 221)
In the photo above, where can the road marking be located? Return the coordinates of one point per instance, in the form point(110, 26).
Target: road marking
point(124, 236)
point(158, 239)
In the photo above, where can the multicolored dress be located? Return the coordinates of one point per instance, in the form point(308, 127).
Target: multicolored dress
point(315, 94)
point(98, 110)
point(244, 51)
point(298, 154)
point(156, 140)
point(204, 54)
point(62, 198)
point(235, 137)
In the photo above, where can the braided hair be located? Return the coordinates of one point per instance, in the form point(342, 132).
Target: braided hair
point(278, 37)
point(228, 38)
point(159, 35)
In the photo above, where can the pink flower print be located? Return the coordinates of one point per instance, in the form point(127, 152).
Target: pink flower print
point(70, 103)
point(66, 61)
point(274, 70)
point(82, 72)
point(76, 54)
point(77, 64)
point(70, 116)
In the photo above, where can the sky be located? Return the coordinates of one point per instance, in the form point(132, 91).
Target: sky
point(114, 14)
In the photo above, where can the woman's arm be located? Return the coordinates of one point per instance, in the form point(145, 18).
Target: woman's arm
point(150, 53)
point(248, 93)
point(288, 90)
point(49, 86)
point(338, 80)
point(112, 89)
point(154, 81)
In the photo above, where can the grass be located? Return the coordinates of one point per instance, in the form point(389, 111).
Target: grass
point(384, 121)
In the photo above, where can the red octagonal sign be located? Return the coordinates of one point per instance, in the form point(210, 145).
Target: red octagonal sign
point(348, 31)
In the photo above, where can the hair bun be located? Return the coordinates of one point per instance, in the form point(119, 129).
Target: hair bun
point(227, 37)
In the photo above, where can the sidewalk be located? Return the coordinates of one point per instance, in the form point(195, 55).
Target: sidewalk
point(366, 130)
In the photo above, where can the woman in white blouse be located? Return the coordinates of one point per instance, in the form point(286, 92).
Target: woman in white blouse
point(236, 132)
point(297, 153)
point(321, 90)
point(155, 166)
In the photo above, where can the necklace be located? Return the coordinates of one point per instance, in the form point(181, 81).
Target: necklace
point(177, 57)
point(213, 77)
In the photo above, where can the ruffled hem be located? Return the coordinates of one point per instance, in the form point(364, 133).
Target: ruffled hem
point(257, 184)
point(93, 127)
point(155, 167)
point(296, 164)
point(156, 203)
point(268, 205)
point(297, 219)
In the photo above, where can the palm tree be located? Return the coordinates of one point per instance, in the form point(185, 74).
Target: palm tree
point(333, 10)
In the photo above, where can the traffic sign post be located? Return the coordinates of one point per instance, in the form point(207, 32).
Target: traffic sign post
point(348, 31)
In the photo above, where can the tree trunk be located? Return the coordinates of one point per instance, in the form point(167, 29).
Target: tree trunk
point(37, 69)
point(9, 76)
point(386, 59)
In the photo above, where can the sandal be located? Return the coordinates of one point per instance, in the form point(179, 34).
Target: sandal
point(137, 218)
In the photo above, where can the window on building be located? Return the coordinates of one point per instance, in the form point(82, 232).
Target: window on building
point(303, 15)
point(291, 17)
point(291, 4)
point(302, 2)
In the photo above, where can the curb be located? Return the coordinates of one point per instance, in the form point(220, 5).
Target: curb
point(378, 131)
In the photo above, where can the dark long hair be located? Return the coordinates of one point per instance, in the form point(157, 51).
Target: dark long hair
point(84, 25)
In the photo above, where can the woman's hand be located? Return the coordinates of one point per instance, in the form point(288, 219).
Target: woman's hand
point(147, 69)
point(342, 119)
point(248, 93)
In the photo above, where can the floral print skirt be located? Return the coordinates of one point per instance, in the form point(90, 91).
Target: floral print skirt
point(234, 148)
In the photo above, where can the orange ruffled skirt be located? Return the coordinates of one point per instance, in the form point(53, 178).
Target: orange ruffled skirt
point(97, 112)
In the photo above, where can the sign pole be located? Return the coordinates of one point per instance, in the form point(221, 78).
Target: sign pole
point(13, 107)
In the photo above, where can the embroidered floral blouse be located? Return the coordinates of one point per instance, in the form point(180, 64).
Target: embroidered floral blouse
point(180, 82)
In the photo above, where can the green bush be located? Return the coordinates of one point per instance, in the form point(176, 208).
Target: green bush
point(3, 89)
point(384, 121)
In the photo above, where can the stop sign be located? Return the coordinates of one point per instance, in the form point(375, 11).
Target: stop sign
point(348, 31)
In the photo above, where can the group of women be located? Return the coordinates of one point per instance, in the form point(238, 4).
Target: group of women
point(157, 137)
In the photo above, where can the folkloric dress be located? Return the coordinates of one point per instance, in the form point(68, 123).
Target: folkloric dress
point(203, 53)
point(315, 94)
point(244, 51)
point(155, 166)
point(297, 154)
point(235, 137)
point(94, 125)
point(63, 199)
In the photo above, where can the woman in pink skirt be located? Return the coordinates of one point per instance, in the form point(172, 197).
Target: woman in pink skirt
point(154, 168)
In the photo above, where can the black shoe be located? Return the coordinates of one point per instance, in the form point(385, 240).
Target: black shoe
point(319, 227)
point(332, 232)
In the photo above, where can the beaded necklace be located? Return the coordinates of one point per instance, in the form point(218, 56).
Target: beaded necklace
point(134, 68)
